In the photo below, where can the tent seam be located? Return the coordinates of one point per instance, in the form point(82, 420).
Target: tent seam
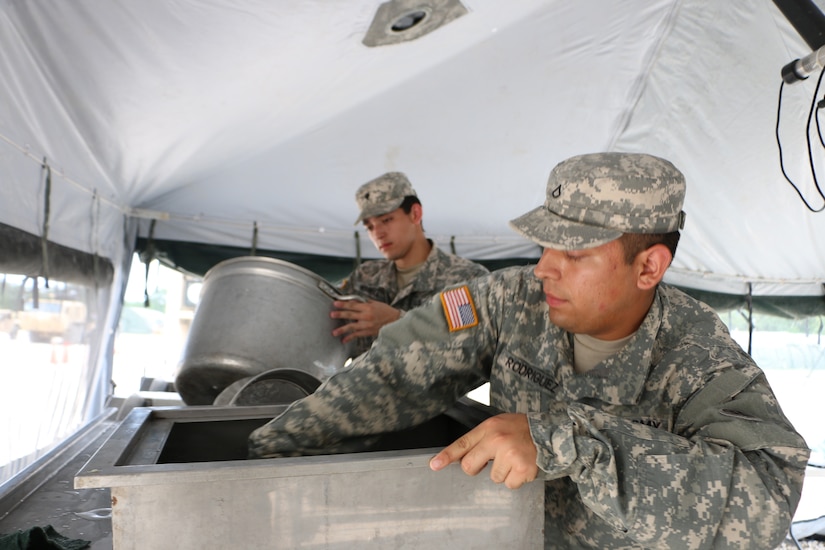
point(641, 82)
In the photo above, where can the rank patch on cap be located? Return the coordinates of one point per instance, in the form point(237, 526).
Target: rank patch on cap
point(459, 308)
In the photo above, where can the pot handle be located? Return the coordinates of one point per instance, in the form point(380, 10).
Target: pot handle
point(333, 293)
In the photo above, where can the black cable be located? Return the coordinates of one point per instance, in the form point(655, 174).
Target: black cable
point(808, 140)
point(812, 114)
point(819, 106)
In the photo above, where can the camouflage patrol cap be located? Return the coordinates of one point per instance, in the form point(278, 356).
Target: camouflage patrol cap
point(382, 194)
point(593, 199)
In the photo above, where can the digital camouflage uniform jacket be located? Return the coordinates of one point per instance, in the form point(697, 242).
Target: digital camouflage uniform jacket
point(378, 280)
point(677, 441)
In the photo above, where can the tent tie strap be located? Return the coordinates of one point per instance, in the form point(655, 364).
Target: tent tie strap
point(44, 239)
point(147, 257)
point(357, 249)
point(254, 249)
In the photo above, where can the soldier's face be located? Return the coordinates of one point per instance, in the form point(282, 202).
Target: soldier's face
point(393, 234)
point(592, 291)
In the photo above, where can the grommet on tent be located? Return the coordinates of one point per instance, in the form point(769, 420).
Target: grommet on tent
point(44, 238)
point(253, 251)
point(399, 21)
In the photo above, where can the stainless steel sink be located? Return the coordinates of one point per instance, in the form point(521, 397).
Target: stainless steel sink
point(179, 479)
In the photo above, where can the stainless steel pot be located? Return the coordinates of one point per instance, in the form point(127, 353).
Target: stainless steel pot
point(256, 314)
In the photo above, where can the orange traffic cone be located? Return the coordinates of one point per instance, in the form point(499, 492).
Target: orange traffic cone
point(57, 341)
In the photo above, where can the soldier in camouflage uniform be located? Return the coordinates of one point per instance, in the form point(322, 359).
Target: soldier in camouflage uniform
point(414, 270)
point(648, 424)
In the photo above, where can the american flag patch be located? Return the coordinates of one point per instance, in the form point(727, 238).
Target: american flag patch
point(459, 308)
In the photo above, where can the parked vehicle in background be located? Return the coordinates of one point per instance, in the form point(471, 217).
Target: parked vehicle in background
point(50, 318)
point(6, 320)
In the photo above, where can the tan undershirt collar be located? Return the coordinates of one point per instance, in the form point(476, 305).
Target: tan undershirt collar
point(589, 351)
point(404, 276)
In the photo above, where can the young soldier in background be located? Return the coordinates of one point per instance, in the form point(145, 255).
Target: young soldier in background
point(414, 268)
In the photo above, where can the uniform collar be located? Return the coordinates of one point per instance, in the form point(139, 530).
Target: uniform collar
point(424, 277)
point(620, 379)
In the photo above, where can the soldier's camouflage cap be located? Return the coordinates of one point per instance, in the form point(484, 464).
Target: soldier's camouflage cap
point(593, 199)
point(382, 195)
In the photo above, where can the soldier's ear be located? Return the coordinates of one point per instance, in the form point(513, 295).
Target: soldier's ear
point(417, 213)
point(652, 264)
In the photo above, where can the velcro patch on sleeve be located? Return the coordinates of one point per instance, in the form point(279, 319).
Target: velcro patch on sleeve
point(459, 308)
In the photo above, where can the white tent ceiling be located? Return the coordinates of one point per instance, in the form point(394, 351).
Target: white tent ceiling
point(214, 116)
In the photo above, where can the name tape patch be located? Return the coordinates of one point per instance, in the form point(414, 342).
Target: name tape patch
point(459, 308)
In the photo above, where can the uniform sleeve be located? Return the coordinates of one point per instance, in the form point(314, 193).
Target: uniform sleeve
point(478, 270)
point(729, 477)
point(465, 271)
point(415, 371)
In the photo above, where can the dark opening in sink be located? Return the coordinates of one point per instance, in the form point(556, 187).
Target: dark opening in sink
point(218, 440)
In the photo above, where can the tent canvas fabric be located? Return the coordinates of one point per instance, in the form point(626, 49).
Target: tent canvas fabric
point(223, 119)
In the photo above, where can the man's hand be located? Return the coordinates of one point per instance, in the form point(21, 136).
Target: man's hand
point(504, 439)
point(365, 318)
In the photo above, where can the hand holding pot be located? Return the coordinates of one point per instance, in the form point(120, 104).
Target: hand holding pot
point(364, 318)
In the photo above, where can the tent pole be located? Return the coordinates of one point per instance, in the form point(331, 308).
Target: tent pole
point(254, 249)
point(806, 18)
point(749, 300)
point(821, 323)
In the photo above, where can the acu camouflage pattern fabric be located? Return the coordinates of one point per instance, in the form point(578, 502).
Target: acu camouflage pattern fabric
point(378, 280)
point(677, 441)
point(592, 199)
